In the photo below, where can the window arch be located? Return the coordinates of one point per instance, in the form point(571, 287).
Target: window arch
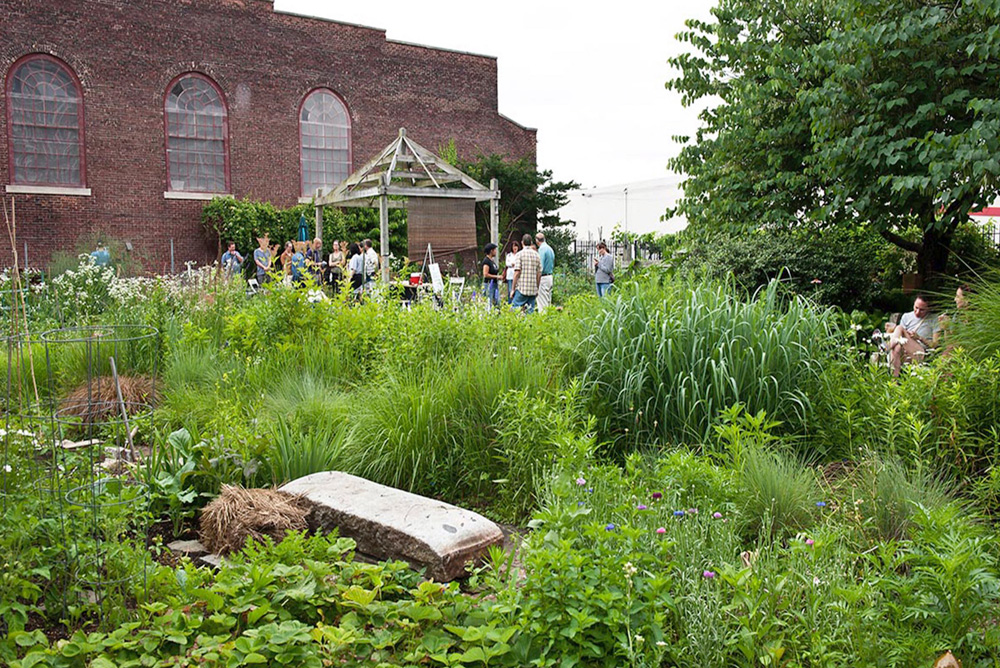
point(197, 135)
point(324, 141)
point(45, 123)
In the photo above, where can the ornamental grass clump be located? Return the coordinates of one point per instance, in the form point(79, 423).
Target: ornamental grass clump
point(662, 362)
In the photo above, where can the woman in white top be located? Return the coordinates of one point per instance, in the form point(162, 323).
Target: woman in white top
point(508, 262)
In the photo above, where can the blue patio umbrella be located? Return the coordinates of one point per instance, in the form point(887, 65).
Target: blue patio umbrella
point(303, 228)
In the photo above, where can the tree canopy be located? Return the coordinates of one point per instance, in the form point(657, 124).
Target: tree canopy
point(840, 112)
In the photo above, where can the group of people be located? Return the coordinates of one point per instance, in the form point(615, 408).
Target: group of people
point(919, 331)
point(527, 270)
point(357, 261)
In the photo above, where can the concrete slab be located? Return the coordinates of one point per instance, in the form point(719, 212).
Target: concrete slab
point(389, 523)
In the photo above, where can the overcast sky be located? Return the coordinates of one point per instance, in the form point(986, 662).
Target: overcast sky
point(590, 80)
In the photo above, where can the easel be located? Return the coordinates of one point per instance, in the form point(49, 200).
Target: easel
point(434, 270)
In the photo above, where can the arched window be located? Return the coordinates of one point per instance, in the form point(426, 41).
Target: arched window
point(45, 114)
point(325, 138)
point(197, 136)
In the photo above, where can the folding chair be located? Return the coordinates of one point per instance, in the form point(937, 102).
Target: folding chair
point(454, 283)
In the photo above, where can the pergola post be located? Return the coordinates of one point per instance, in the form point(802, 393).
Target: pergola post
point(383, 215)
point(319, 216)
point(495, 213)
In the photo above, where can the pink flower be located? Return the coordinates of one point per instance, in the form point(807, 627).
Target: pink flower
point(810, 542)
point(640, 507)
point(717, 515)
point(708, 574)
point(581, 482)
point(815, 281)
point(692, 511)
point(661, 530)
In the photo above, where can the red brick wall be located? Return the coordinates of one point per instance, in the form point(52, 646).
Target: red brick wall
point(125, 53)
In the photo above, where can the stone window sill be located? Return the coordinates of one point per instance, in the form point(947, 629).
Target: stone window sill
point(47, 190)
point(171, 194)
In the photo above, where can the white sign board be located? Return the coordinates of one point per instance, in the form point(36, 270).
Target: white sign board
point(436, 279)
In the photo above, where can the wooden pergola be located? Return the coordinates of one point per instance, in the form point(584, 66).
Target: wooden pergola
point(406, 169)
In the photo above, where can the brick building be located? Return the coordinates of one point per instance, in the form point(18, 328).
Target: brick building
point(121, 117)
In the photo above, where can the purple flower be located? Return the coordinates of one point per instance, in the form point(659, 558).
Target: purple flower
point(717, 515)
point(657, 496)
point(821, 504)
point(640, 507)
point(590, 490)
point(708, 574)
point(692, 511)
point(579, 504)
point(810, 542)
point(610, 527)
point(661, 530)
point(581, 482)
point(678, 513)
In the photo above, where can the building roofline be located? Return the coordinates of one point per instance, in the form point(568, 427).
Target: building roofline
point(520, 125)
point(441, 48)
point(383, 31)
point(324, 19)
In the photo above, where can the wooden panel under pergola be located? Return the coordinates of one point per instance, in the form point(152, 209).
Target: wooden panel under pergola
point(405, 169)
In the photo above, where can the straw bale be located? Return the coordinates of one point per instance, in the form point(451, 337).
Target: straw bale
point(239, 513)
point(97, 401)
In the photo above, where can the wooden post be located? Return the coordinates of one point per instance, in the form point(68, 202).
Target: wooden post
point(383, 214)
point(495, 212)
point(319, 216)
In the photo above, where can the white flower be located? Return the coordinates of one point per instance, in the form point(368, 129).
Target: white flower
point(629, 569)
point(856, 327)
point(660, 643)
point(638, 638)
point(7, 468)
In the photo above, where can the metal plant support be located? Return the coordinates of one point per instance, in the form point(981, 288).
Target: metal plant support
point(98, 435)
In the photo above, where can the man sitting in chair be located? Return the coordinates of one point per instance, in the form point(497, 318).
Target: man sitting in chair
point(912, 337)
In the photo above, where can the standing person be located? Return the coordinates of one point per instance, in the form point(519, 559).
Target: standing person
point(314, 260)
point(262, 258)
point(515, 248)
point(491, 274)
point(371, 265)
point(527, 276)
point(336, 266)
point(548, 258)
point(286, 262)
point(297, 267)
point(604, 268)
point(356, 266)
point(232, 261)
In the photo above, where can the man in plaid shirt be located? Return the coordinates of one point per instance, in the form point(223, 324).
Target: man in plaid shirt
point(527, 276)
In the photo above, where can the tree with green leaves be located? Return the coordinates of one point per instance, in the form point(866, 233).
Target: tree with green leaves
point(529, 196)
point(840, 112)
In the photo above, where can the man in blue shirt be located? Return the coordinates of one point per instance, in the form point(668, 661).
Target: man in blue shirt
point(232, 261)
point(548, 258)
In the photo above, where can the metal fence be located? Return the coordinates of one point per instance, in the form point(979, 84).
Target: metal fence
point(991, 233)
point(624, 253)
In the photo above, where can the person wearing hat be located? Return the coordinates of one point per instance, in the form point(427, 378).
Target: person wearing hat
point(491, 274)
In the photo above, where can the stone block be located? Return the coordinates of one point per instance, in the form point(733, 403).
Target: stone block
point(388, 523)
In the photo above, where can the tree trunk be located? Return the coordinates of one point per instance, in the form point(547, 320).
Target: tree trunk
point(932, 258)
